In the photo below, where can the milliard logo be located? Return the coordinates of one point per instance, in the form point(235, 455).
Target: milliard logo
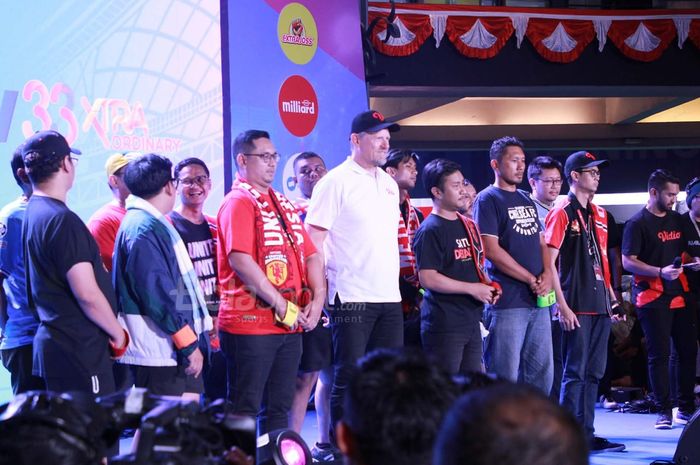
point(298, 106)
point(297, 33)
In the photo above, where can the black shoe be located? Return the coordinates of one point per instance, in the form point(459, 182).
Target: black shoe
point(599, 445)
point(325, 453)
point(664, 420)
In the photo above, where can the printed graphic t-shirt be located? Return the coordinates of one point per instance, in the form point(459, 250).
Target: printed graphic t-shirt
point(512, 218)
point(442, 245)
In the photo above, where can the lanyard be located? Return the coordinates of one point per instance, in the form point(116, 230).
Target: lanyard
point(695, 224)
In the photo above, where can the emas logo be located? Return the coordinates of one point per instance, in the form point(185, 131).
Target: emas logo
point(298, 105)
point(297, 33)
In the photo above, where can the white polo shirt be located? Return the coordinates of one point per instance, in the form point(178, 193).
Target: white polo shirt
point(361, 213)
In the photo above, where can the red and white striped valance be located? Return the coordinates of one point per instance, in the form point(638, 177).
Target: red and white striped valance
point(558, 35)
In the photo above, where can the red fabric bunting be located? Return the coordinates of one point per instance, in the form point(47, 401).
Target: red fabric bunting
point(664, 29)
point(457, 26)
point(694, 32)
point(563, 46)
point(417, 24)
point(539, 29)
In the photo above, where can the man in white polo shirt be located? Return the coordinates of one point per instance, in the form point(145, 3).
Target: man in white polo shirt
point(352, 219)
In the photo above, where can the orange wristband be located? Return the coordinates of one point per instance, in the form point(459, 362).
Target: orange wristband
point(184, 337)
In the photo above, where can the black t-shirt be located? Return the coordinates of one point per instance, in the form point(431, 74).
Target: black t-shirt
point(202, 251)
point(442, 245)
point(56, 239)
point(692, 239)
point(614, 232)
point(656, 241)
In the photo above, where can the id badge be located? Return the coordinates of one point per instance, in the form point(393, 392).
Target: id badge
point(598, 272)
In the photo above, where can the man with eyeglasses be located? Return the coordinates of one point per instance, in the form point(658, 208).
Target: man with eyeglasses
point(352, 218)
point(272, 286)
point(66, 280)
point(198, 232)
point(653, 244)
point(160, 300)
point(104, 223)
point(545, 177)
point(576, 232)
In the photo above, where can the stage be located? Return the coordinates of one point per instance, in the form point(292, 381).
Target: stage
point(644, 443)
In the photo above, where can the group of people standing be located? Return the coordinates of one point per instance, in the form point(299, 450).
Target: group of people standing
point(274, 297)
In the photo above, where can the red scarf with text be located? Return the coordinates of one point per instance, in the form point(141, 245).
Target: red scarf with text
point(407, 231)
point(476, 247)
point(279, 236)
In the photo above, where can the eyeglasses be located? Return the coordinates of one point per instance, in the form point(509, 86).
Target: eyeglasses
point(307, 171)
point(74, 160)
point(175, 181)
point(595, 174)
point(266, 157)
point(199, 180)
point(551, 182)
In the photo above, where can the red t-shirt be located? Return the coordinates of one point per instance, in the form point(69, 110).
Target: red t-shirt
point(239, 312)
point(103, 226)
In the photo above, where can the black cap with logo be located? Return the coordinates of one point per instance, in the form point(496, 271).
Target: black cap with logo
point(372, 121)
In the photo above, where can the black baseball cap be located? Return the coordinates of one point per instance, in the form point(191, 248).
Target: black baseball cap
point(582, 160)
point(48, 145)
point(371, 121)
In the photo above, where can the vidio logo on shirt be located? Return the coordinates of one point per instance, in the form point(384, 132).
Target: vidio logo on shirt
point(525, 219)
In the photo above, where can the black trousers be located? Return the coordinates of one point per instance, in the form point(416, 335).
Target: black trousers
point(262, 372)
point(18, 361)
point(661, 328)
point(359, 327)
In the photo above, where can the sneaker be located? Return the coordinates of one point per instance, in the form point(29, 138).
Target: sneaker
point(663, 421)
point(599, 445)
point(325, 452)
point(608, 402)
point(680, 417)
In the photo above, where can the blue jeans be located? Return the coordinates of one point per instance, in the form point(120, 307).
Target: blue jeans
point(585, 355)
point(262, 372)
point(519, 345)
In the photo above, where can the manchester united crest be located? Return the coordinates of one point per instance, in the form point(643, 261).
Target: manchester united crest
point(276, 271)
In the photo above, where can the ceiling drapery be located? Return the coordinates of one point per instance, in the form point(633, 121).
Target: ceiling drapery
point(558, 35)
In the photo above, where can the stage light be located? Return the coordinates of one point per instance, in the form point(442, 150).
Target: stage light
point(283, 447)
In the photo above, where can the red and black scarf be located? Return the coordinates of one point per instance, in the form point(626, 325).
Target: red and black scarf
point(476, 248)
point(407, 231)
point(279, 236)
